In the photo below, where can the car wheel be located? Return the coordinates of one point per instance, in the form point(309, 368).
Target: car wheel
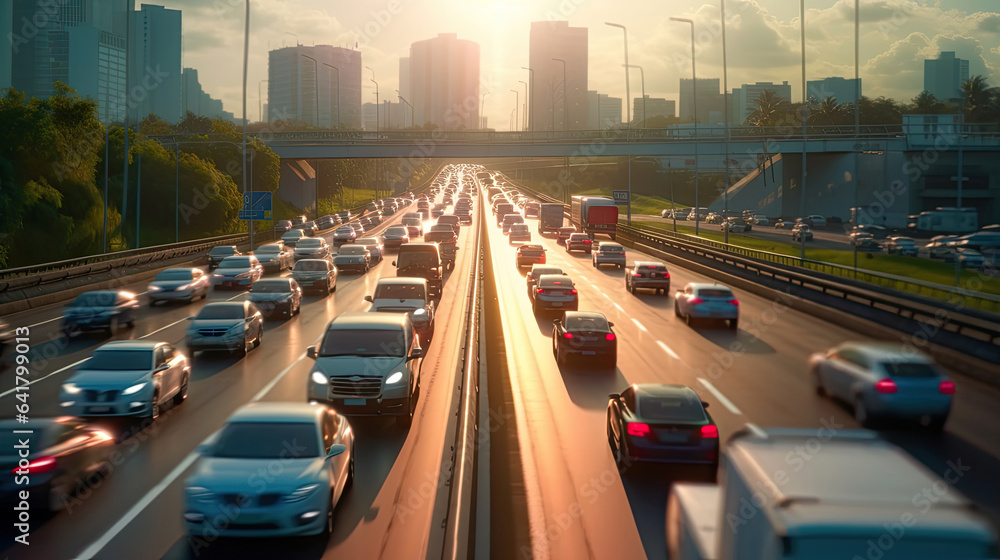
point(937, 424)
point(350, 472)
point(734, 324)
point(154, 409)
point(861, 414)
point(298, 308)
point(328, 526)
point(113, 326)
point(689, 320)
point(334, 288)
point(242, 351)
point(631, 289)
point(818, 384)
point(182, 393)
point(407, 419)
point(260, 337)
point(677, 309)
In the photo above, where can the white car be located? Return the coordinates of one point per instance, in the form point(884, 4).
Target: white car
point(815, 220)
point(178, 284)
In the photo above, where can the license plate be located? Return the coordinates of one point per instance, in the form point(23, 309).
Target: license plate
point(716, 314)
point(99, 409)
point(557, 304)
point(589, 353)
point(673, 437)
point(653, 275)
point(354, 402)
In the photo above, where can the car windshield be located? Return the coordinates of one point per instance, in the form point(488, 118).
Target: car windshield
point(267, 440)
point(399, 291)
point(612, 249)
point(364, 343)
point(556, 283)
point(120, 360)
point(396, 231)
point(587, 324)
point(182, 274)
point(271, 287)
point(268, 249)
point(714, 292)
point(345, 229)
point(310, 243)
point(578, 236)
point(293, 233)
point(671, 409)
point(417, 259)
point(910, 369)
point(221, 251)
point(352, 250)
point(235, 262)
point(310, 266)
point(95, 299)
point(220, 312)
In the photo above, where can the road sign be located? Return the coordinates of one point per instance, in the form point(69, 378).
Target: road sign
point(621, 197)
point(256, 206)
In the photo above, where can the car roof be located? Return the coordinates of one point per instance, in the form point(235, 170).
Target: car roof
point(400, 281)
point(553, 278)
point(131, 344)
point(368, 321)
point(583, 315)
point(290, 412)
point(887, 351)
point(531, 246)
point(708, 286)
point(664, 390)
point(364, 240)
point(650, 263)
point(227, 303)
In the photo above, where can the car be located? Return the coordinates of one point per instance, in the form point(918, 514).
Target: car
point(421, 260)
point(906, 246)
point(781, 224)
point(277, 295)
point(298, 220)
point(344, 215)
point(219, 252)
point(530, 255)
point(554, 292)
point(884, 380)
point(563, 233)
point(313, 447)
point(274, 257)
point(707, 301)
point(308, 228)
point(344, 234)
point(368, 364)
point(651, 275)
point(178, 284)
point(414, 232)
point(324, 223)
point(233, 326)
point(64, 456)
point(438, 210)
point(99, 310)
point(669, 214)
point(451, 220)
point(127, 378)
point(662, 424)
point(316, 274)
point(443, 233)
point(579, 242)
point(353, 257)
point(734, 225)
point(801, 232)
point(537, 270)
point(406, 295)
point(713, 218)
point(281, 226)
point(815, 220)
point(395, 237)
point(864, 241)
point(293, 236)
point(464, 214)
point(412, 219)
point(608, 253)
point(761, 220)
point(519, 232)
point(980, 241)
point(584, 334)
point(312, 248)
point(878, 232)
point(375, 247)
point(969, 258)
point(531, 209)
point(509, 220)
point(359, 227)
point(940, 247)
point(237, 272)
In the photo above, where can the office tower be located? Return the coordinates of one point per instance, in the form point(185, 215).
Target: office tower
point(550, 101)
point(710, 101)
point(444, 82)
point(156, 63)
point(303, 85)
point(840, 88)
point(654, 106)
point(944, 76)
point(194, 99)
point(604, 111)
point(744, 96)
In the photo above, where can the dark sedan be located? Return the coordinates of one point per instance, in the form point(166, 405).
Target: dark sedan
point(658, 423)
point(579, 242)
point(62, 452)
point(353, 257)
point(216, 254)
point(584, 334)
point(395, 237)
point(344, 234)
point(648, 274)
point(277, 295)
point(100, 310)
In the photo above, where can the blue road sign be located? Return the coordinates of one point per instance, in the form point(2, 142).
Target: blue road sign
point(256, 206)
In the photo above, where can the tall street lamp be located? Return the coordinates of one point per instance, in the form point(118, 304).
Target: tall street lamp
point(524, 114)
point(517, 105)
point(376, 97)
point(531, 78)
point(315, 85)
point(628, 94)
point(725, 121)
point(246, 57)
point(338, 91)
point(482, 110)
point(565, 104)
point(260, 100)
point(694, 96)
point(805, 121)
point(401, 98)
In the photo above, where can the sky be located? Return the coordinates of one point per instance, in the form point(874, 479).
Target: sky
point(762, 36)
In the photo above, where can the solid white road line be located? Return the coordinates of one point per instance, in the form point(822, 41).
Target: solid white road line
point(668, 350)
point(719, 396)
point(164, 327)
point(638, 324)
point(44, 322)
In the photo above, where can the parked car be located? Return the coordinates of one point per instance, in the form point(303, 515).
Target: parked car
point(353, 257)
point(127, 378)
point(299, 498)
point(99, 310)
point(702, 301)
point(884, 380)
point(395, 237)
point(906, 246)
point(406, 295)
point(555, 292)
point(584, 334)
point(219, 252)
point(801, 232)
point(237, 272)
point(316, 274)
point(178, 284)
point(648, 275)
point(375, 247)
point(579, 242)
point(233, 326)
point(529, 255)
point(312, 248)
point(608, 253)
point(274, 257)
point(277, 295)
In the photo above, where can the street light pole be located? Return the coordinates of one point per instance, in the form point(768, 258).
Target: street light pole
point(260, 100)
point(177, 193)
point(628, 94)
point(376, 125)
point(403, 99)
point(338, 92)
point(725, 122)
point(482, 110)
point(315, 85)
point(565, 106)
point(694, 96)
point(805, 121)
point(524, 114)
point(246, 55)
point(517, 105)
point(531, 78)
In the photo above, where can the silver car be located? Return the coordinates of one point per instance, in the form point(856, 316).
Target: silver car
point(178, 284)
point(536, 271)
point(884, 380)
point(353, 257)
point(700, 301)
point(274, 470)
point(291, 237)
point(236, 326)
point(277, 295)
point(555, 292)
point(316, 274)
point(608, 253)
point(274, 256)
point(375, 247)
point(312, 248)
point(237, 272)
point(127, 378)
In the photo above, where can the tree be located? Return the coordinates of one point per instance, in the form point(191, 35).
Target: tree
point(979, 100)
point(768, 110)
point(881, 110)
point(926, 103)
point(153, 125)
point(829, 112)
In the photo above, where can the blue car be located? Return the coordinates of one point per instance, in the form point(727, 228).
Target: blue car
point(100, 310)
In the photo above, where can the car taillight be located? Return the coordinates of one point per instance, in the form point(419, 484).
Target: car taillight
point(946, 388)
point(38, 466)
point(734, 301)
point(886, 387)
point(568, 335)
point(573, 291)
point(695, 301)
point(638, 429)
point(666, 275)
point(587, 241)
point(637, 275)
point(609, 336)
point(540, 291)
point(710, 431)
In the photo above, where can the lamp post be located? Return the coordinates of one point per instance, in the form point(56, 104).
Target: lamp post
point(376, 125)
point(403, 99)
point(642, 80)
point(805, 120)
point(482, 110)
point(517, 104)
point(725, 121)
point(524, 114)
point(246, 56)
point(260, 100)
point(694, 96)
point(565, 105)
point(338, 91)
point(628, 95)
point(531, 78)
point(315, 84)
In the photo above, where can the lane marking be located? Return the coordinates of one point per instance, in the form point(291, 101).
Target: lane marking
point(598, 288)
point(163, 328)
point(637, 323)
point(668, 350)
point(267, 388)
point(720, 397)
point(60, 370)
point(621, 309)
point(44, 322)
point(756, 430)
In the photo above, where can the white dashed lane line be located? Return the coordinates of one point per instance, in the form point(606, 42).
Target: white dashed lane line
point(720, 397)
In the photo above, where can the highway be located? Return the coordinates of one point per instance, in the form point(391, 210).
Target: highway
point(580, 506)
point(136, 512)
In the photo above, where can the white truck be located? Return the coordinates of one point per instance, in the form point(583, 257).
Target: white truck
point(807, 494)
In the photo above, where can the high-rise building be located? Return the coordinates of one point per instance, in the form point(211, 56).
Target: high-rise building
point(944, 76)
point(550, 101)
point(80, 43)
point(156, 63)
point(444, 82)
point(710, 101)
point(650, 107)
point(841, 89)
point(6, 46)
point(295, 93)
point(604, 111)
point(195, 100)
point(744, 96)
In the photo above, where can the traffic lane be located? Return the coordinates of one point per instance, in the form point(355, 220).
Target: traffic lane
point(382, 458)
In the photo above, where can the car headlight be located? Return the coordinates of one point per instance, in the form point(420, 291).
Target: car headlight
point(134, 389)
point(71, 388)
point(301, 493)
point(319, 378)
point(420, 311)
point(154, 288)
point(217, 276)
point(394, 378)
point(200, 494)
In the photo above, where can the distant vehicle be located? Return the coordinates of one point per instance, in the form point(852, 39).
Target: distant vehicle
point(421, 260)
point(531, 209)
point(584, 334)
point(441, 234)
point(375, 247)
point(318, 274)
point(579, 242)
point(178, 284)
point(406, 295)
point(451, 220)
point(563, 233)
point(281, 226)
point(648, 275)
point(702, 301)
point(733, 225)
point(969, 258)
point(292, 237)
point(555, 292)
point(864, 241)
point(815, 220)
point(980, 241)
point(353, 257)
point(509, 220)
point(519, 232)
point(948, 220)
point(298, 220)
point(537, 270)
point(550, 217)
point(274, 257)
point(713, 218)
point(672, 213)
point(905, 246)
point(219, 252)
point(761, 220)
point(312, 248)
point(529, 255)
point(608, 253)
point(594, 214)
point(309, 228)
point(234, 326)
point(344, 234)
point(396, 236)
point(699, 213)
point(802, 232)
point(878, 232)
point(503, 209)
point(99, 310)
point(237, 272)
point(940, 247)
point(277, 295)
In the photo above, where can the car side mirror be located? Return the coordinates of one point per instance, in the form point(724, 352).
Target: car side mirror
point(369, 299)
point(614, 396)
point(704, 404)
point(311, 352)
point(393, 263)
point(610, 324)
point(251, 318)
point(416, 353)
point(161, 367)
point(336, 449)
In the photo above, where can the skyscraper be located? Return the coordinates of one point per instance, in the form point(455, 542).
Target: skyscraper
point(156, 63)
point(654, 106)
point(603, 111)
point(710, 101)
point(840, 88)
point(296, 84)
point(944, 76)
point(744, 96)
point(197, 101)
point(550, 101)
point(444, 82)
